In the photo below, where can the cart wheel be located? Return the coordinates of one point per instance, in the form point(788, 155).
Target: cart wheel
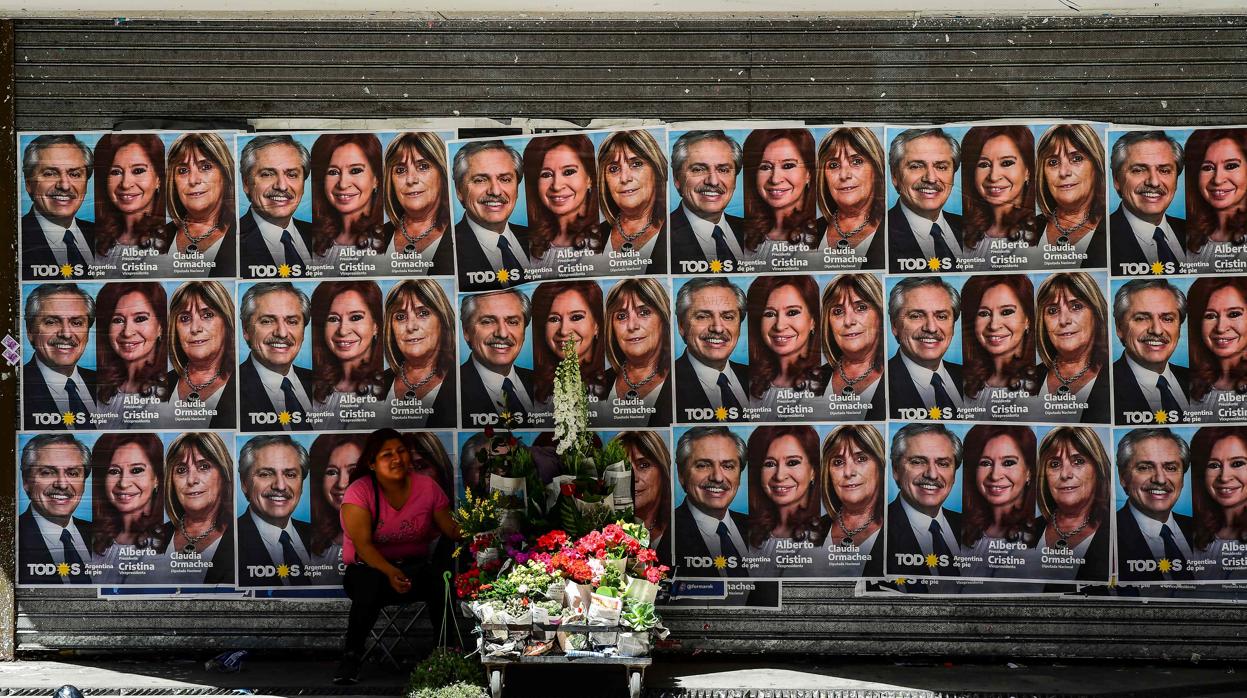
point(634, 684)
point(495, 683)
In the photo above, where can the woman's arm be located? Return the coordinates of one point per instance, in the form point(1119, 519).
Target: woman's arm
point(358, 521)
point(446, 524)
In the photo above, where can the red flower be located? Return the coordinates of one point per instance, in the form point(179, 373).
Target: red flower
point(552, 541)
point(646, 556)
point(489, 432)
point(513, 442)
point(568, 488)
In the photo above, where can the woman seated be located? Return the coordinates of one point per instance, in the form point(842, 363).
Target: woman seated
point(392, 515)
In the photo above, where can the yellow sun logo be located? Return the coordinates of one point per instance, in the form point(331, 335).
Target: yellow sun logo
point(936, 413)
point(716, 266)
point(283, 571)
point(901, 580)
point(1162, 417)
point(63, 569)
point(67, 271)
point(720, 413)
point(504, 275)
point(69, 419)
point(1164, 565)
point(933, 264)
point(720, 562)
point(1158, 268)
point(932, 560)
point(506, 416)
point(283, 418)
point(284, 271)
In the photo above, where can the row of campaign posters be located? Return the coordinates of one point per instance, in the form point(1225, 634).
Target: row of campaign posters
point(996, 358)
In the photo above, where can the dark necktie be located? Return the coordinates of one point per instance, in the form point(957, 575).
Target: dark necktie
point(509, 260)
point(1174, 554)
point(1163, 252)
point(721, 251)
point(291, 558)
point(76, 405)
point(511, 397)
point(72, 558)
point(72, 255)
point(288, 248)
point(1168, 402)
point(293, 406)
point(941, 550)
point(728, 550)
point(942, 250)
point(726, 397)
point(943, 400)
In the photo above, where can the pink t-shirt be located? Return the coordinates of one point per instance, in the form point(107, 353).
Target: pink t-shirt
point(401, 534)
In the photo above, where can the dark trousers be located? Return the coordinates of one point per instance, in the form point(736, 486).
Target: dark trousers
point(370, 590)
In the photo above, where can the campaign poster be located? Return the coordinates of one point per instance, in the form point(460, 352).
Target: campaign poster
point(201, 386)
point(126, 205)
point(1072, 327)
point(636, 335)
point(852, 335)
point(1152, 379)
point(569, 205)
point(1154, 527)
point(419, 327)
point(711, 514)
point(1148, 200)
point(275, 377)
point(1218, 483)
point(1216, 306)
point(59, 378)
point(498, 347)
point(1216, 196)
point(131, 355)
point(922, 525)
point(712, 371)
point(55, 540)
point(1074, 497)
point(928, 323)
point(344, 204)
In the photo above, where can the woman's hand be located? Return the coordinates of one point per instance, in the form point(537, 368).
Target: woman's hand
point(399, 581)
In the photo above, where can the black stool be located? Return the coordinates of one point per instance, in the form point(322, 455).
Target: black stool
point(393, 625)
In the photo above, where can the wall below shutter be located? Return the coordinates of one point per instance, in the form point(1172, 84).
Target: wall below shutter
point(82, 75)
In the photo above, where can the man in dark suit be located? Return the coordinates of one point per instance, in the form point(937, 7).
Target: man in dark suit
point(923, 162)
point(56, 170)
point(1149, 315)
point(925, 458)
point(54, 477)
point(274, 318)
point(271, 471)
point(710, 461)
point(487, 182)
point(1151, 464)
point(924, 313)
point(705, 165)
point(274, 169)
point(58, 323)
point(490, 382)
point(710, 311)
point(1146, 165)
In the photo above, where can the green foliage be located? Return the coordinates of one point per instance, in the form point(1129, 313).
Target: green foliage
point(441, 669)
point(454, 690)
point(638, 615)
point(612, 452)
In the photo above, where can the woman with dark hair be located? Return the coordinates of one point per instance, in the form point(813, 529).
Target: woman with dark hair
point(638, 347)
point(779, 193)
point(567, 311)
point(783, 342)
point(1073, 349)
point(997, 199)
point(417, 202)
point(334, 459)
point(1070, 183)
point(200, 504)
point(127, 518)
point(632, 194)
point(346, 202)
point(853, 481)
point(131, 354)
point(346, 345)
point(999, 349)
point(391, 515)
point(129, 210)
point(199, 195)
point(852, 334)
point(1219, 499)
point(1216, 196)
point(851, 195)
point(420, 351)
point(562, 209)
point(1218, 340)
point(997, 500)
point(1072, 480)
point(201, 339)
point(784, 490)
point(651, 484)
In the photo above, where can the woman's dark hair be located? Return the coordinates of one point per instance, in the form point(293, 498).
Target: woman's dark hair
point(799, 228)
point(977, 213)
point(1081, 286)
point(763, 513)
point(106, 521)
point(1079, 137)
point(763, 364)
point(212, 447)
point(865, 287)
point(1205, 367)
point(643, 145)
point(648, 291)
point(1209, 516)
point(1202, 219)
point(326, 221)
point(651, 444)
point(868, 439)
point(1084, 441)
point(215, 296)
point(1019, 373)
point(428, 292)
point(112, 371)
point(864, 142)
point(545, 360)
point(327, 371)
point(543, 226)
point(110, 223)
point(372, 448)
point(421, 144)
point(213, 148)
point(977, 514)
point(325, 522)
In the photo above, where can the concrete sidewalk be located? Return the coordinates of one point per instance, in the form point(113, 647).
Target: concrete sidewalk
point(717, 677)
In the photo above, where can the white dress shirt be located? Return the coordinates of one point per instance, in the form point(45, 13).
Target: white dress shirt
point(493, 386)
point(922, 233)
point(488, 240)
point(921, 524)
point(922, 381)
point(271, 536)
point(1143, 232)
point(55, 236)
point(55, 380)
point(1147, 384)
point(703, 231)
point(708, 527)
point(709, 379)
point(272, 385)
point(51, 533)
point(271, 235)
point(1151, 534)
